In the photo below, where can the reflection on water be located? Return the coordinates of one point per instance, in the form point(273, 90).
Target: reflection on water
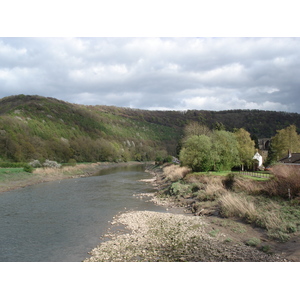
point(63, 221)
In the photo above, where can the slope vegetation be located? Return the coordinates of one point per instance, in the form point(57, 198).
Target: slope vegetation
point(36, 127)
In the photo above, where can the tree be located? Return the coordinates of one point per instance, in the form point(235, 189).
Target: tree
point(224, 150)
point(219, 126)
point(195, 128)
point(255, 139)
point(245, 146)
point(196, 153)
point(272, 157)
point(285, 140)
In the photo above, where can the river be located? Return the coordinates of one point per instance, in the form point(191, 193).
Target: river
point(62, 221)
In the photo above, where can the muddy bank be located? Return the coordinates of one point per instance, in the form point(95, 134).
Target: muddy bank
point(174, 236)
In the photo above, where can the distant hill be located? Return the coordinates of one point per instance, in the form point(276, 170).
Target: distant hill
point(36, 127)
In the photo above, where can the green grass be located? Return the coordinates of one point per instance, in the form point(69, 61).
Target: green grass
point(256, 178)
point(14, 177)
point(220, 173)
point(225, 173)
point(214, 232)
point(7, 171)
point(253, 242)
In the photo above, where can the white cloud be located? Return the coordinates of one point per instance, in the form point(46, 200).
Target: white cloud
point(217, 104)
point(152, 73)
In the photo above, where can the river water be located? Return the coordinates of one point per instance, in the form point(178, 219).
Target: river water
point(63, 221)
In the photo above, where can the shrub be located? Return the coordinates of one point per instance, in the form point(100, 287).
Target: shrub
point(179, 189)
point(279, 235)
point(168, 159)
point(35, 164)
point(253, 242)
point(72, 162)
point(28, 168)
point(51, 164)
point(12, 165)
point(267, 249)
point(230, 180)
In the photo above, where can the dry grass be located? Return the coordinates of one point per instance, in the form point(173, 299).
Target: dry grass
point(267, 215)
point(66, 169)
point(247, 199)
point(248, 185)
point(59, 171)
point(175, 172)
point(211, 192)
point(214, 188)
point(204, 179)
point(233, 205)
point(286, 182)
point(47, 171)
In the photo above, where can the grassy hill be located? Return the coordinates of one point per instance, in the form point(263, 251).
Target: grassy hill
point(36, 127)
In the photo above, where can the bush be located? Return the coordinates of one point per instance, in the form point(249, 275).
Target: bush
point(51, 164)
point(253, 242)
point(28, 168)
point(168, 159)
point(72, 162)
point(12, 165)
point(35, 164)
point(159, 160)
point(230, 180)
point(179, 189)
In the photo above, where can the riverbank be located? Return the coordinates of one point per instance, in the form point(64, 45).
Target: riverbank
point(11, 181)
point(177, 236)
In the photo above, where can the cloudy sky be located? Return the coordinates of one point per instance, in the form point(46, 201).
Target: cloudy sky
point(154, 55)
point(156, 73)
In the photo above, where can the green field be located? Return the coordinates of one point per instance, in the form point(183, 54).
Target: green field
point(9, 171)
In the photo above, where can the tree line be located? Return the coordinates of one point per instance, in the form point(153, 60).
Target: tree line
point(203, 149)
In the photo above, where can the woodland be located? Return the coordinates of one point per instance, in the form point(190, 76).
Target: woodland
point(42, 128)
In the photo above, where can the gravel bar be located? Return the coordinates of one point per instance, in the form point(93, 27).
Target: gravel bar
point(167, 237)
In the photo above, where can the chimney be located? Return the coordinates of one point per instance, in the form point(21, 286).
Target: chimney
point(289, 154)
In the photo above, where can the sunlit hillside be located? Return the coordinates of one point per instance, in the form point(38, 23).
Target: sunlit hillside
point(36, 127)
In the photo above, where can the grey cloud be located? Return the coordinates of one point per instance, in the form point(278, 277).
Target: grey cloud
point(149, 73)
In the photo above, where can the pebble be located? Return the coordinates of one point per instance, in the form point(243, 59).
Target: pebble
point(156, 236)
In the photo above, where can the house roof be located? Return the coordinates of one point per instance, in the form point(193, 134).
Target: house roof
point(293, 159)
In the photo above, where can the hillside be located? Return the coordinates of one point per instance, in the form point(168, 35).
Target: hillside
point(36, 127)
point(257, 122)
